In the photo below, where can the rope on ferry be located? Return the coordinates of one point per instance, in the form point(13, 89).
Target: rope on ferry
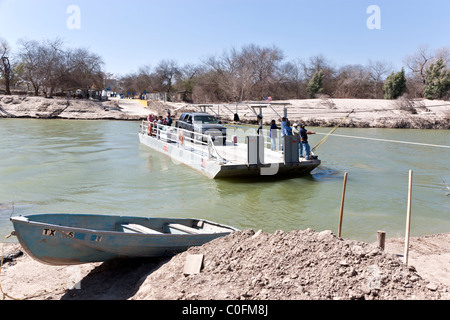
point(448, 188)
point(331, 132)
point(394, 141)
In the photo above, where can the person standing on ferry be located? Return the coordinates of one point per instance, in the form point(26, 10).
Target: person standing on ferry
point(296, 133)
point(283, 125)
point(273, 135)
point(304, 139)
point(288, 129)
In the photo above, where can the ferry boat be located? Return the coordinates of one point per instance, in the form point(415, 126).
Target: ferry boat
point(244, 152)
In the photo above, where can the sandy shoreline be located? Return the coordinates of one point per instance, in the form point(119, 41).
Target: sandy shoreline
point(367, 113)
point(233, 271)
point(355, 113)
point(43, 108)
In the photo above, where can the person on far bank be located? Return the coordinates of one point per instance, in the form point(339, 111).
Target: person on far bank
point(296, 133)
point(304, 139)
point(273, 135)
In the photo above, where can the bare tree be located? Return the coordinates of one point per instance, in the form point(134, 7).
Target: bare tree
point(41, 64)
point(231, 77)
point(246, 73)
point(186, 80)
point(87, 69)
point(146, 79)
point(418, 62)
point(377, 72)
point(143, 81)
point(263, 63)
point(52, 69)
point(319, 63)
point(128, 83)
point(50, 66)
point(5, 64)
point(166, 72)
point(286, 81)
point(31, 60)
point(352, 81)
point(296, 78)
point(444, 54)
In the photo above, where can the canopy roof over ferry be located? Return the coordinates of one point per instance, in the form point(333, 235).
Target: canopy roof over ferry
point(252, 105)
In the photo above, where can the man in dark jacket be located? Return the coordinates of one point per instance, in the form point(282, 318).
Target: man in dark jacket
point(304, 139)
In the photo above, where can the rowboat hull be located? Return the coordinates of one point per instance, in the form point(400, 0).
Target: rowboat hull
point(70, 239)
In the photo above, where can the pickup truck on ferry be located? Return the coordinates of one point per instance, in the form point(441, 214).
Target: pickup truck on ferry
point(204, 123)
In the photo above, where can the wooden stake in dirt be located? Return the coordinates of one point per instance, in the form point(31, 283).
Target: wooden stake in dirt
point(342, 205)
point(381, 239)
point(408, 218)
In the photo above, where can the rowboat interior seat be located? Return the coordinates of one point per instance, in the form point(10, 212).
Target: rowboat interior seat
point(183, 228)
point(137, 228)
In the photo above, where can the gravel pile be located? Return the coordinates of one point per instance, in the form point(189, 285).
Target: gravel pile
point(294, 265)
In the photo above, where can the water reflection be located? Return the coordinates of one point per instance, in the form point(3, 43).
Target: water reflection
point(267, 203)
point(326, 173)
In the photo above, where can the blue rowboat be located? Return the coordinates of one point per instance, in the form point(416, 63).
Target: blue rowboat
point(69, 239)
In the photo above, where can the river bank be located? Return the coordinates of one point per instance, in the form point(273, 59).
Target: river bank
point(356, 113)
point(44, 108)
point(325, 112)
point(296, 265)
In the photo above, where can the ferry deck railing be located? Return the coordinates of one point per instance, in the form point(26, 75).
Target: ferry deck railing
point(195, 142)
point(241, 132)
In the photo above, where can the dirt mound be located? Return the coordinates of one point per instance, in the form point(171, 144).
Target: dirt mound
point(295, 265)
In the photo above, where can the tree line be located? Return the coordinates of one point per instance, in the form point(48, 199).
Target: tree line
point(254, 72)
point(251, 72)
point(49, 67)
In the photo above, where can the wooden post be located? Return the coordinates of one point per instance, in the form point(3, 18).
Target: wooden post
point(381, 239)
point(408, 218)
point(342, 205)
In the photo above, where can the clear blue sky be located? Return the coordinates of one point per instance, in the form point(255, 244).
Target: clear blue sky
point(129, 34)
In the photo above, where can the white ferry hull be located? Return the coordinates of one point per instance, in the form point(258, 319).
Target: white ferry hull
point(238, 168)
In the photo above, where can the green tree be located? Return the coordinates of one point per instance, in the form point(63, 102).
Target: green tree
point(315, 85)
point(395, 85)
point(437, 80)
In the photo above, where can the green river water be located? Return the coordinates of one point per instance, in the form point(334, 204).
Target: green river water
point(70, 166)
